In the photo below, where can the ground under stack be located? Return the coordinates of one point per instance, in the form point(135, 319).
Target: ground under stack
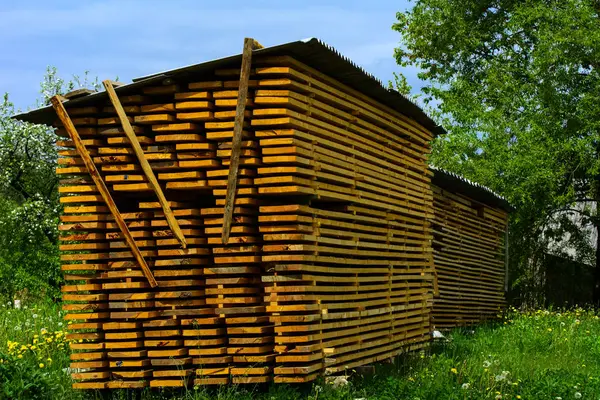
point(329, 262)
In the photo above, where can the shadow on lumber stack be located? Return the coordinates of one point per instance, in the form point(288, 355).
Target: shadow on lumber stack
point(329, 263)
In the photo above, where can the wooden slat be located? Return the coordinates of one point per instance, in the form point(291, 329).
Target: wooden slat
point(249, 45)
point(93, 171)
point(144, 162)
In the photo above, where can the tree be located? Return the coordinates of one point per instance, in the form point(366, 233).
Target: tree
point(29, 202)
point(516, 83)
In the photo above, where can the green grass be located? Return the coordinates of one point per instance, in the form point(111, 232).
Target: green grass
point(531, 355)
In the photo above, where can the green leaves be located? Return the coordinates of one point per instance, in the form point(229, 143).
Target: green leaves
point(516, 84)
point(29, 201)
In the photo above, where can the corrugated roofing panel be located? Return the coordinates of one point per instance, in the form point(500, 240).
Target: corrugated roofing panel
point(457, 184)
point(312, 52)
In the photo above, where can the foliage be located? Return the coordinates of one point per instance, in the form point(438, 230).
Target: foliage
point(34, 353)
point(29, 203)
point(542, 354)
point(517, 86)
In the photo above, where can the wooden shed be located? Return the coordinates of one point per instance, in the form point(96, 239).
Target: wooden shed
point(262, 217)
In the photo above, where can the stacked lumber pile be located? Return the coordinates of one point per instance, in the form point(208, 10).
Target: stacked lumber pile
point(469, 253)
point(328, 264)
point(346, 236)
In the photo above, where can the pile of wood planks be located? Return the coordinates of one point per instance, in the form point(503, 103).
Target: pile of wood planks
point(327, 260)
point(328, 264)
point(469, 254)
point(350, 267)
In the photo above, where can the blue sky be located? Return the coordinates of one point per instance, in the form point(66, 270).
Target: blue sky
point(129, 39)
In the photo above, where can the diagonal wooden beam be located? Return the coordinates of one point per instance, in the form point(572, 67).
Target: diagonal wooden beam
point(236, 144)
point(91, 167)
point(144, 163)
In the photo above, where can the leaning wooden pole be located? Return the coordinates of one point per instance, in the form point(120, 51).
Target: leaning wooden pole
point(236, 144)
point(137, 149)
point(93, 171)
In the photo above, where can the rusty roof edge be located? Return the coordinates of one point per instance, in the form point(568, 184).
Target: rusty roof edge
point(303, 49)
point(379, 82)
point(433, 126)
point(452, 181)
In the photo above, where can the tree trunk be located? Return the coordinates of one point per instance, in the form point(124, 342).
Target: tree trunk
point(596, 295)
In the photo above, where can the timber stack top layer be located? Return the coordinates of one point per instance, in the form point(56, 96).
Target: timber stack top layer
point(262, 217)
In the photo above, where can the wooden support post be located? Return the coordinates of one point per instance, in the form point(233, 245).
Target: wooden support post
point(236, 145)
point(87, 160)
point(144, 163)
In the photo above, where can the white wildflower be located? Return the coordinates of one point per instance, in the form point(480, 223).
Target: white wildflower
point(577, 395)
point(338, 381)
point(465, 386)
point(502, 376)
point(486, 364)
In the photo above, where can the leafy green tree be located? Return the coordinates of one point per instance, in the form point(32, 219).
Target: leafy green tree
point(29, 203)
point(517, 85)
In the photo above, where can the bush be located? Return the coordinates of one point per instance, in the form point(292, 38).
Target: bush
point(34, 356)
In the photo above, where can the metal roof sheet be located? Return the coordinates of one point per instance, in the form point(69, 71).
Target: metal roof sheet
point(457, 184)
point(312, 52)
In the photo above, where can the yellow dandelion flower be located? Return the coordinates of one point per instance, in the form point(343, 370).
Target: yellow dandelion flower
point(454, 370)
point(49, 359)
point(80, 340)
point(549, 329)
point(20, 356)
point(36, 336)
point(518, 397)
point(35, 341)
point(41, 365)
point(33, 347)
